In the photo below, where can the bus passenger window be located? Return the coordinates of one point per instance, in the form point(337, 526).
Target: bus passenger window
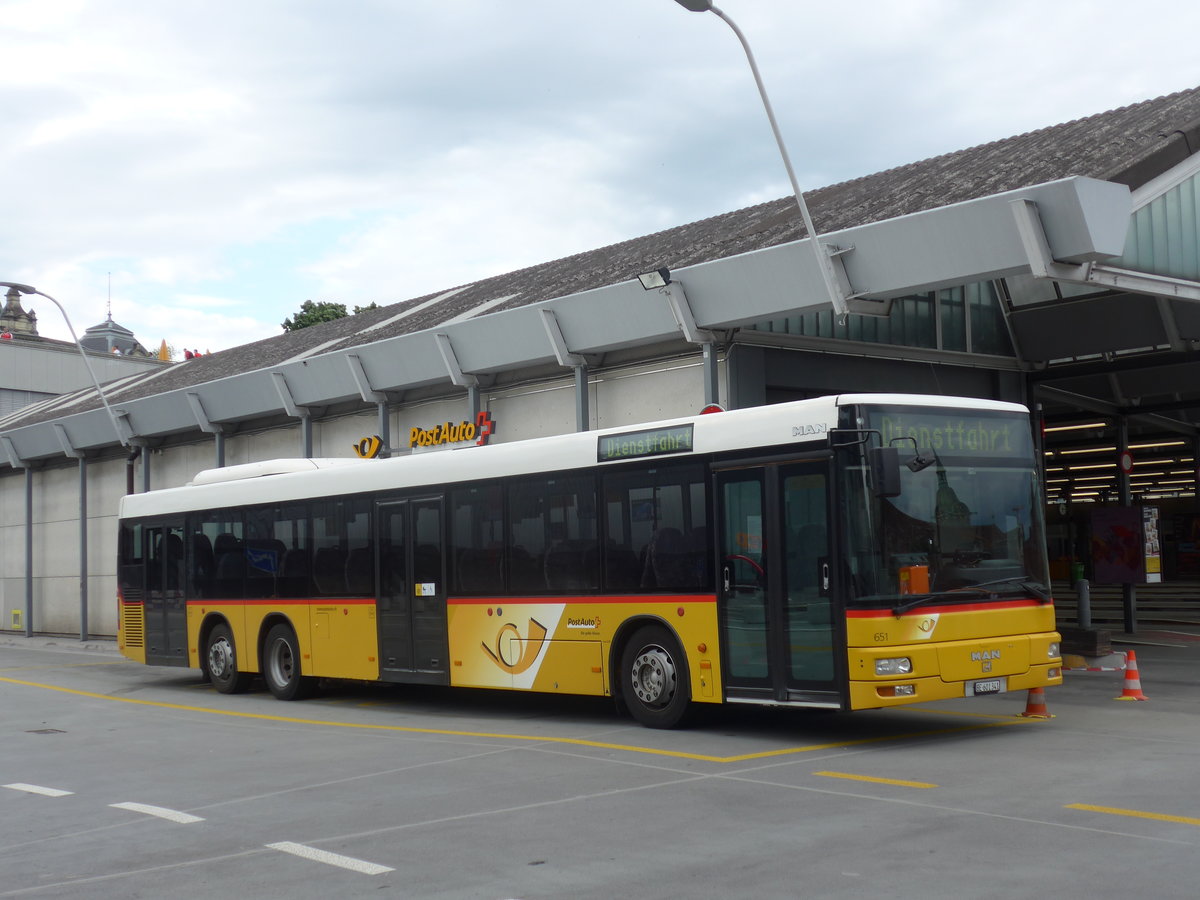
point(477, 540)
point(656, 530)
point(554, 535)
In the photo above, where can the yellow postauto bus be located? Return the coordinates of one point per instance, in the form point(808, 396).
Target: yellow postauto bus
point(846, 552)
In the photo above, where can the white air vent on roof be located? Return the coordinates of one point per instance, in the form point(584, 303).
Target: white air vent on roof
point(270, 467)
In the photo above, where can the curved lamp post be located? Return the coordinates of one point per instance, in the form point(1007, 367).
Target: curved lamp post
point(29, 289)
point(824, 263)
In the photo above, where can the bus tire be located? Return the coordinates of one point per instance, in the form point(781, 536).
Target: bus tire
point(654, 678)
point(220, 661)
point(281, 665)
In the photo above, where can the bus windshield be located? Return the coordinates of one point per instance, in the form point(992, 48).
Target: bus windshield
point(967, 523)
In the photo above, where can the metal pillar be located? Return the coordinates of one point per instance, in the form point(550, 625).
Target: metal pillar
point(711, 375)
point(306, 436)
point(28, 551)
point(83, 550)
point(583, 415)
point(473, 402)
point(385, 429)
point(1128, 592)
point(219, 448)
point(145, 470)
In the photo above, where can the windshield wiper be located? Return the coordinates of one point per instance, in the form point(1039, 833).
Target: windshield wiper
point(1034, 587)
point(921, 599)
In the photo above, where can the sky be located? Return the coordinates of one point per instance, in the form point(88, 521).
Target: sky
point(206, 166)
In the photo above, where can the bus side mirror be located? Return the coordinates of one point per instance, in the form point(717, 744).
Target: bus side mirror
point(884, 463)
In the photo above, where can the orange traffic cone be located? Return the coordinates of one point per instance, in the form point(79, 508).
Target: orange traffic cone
point(1133, 684)
point(1035, 705)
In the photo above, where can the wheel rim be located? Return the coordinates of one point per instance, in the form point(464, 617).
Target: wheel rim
point(220, 658)
point(654, 676)
point(282, 663)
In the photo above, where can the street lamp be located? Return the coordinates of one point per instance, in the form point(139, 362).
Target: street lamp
point(824, 263)
point(29, 289)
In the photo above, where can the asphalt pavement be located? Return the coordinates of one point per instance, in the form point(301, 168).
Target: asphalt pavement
point(120, 780)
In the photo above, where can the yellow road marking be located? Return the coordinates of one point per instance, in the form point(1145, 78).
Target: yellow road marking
point(115, 662)
point(542, 739)
point(1133, 813)
point(874, 780)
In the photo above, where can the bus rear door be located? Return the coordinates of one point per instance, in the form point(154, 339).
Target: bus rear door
point(412, 591)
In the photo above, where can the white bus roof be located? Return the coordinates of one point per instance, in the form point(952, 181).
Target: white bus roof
point(280, 481)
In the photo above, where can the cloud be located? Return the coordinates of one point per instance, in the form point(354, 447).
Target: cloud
point(260, 154)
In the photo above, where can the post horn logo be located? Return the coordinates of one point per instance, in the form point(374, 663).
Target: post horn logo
point(369, 447)
point(509, 642)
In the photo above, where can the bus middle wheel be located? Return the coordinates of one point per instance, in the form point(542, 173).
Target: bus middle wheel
point(654, 678)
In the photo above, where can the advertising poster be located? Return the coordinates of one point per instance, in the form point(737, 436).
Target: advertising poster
point(1151, 544)
point(1117, 545)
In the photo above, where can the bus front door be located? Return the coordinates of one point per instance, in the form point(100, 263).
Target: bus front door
point(412, 592)
point(779, 625)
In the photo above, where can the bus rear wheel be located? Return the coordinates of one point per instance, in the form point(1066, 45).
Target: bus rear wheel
point(654, 678)
point(281, 665)
point(220, 661)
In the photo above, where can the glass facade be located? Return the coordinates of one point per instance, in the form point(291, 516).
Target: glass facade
point(966, 318)
point(1164, 237)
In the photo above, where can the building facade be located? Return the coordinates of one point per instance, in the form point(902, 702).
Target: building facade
point(1056, 268)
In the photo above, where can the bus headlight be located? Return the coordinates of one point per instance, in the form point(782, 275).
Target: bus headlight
point(1053, 650)
point(894, 665)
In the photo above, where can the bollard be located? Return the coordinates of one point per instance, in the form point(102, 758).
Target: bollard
point(1083, 591)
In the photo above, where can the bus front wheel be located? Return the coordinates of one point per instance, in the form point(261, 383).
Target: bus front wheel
point(654, 679)
point(281, 665)
point(220, 661)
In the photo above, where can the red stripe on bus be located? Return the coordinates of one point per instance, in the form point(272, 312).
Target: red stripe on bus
point(633, 598)
point(284, 601)
point(925, 610)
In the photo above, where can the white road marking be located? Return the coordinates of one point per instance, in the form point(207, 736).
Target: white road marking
point(333, 859)
point(37, 789)
point(171, 815)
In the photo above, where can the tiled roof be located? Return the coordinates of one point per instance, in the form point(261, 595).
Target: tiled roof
point(1131, 145)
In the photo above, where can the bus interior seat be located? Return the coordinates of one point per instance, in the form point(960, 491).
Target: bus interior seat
point(666, 560)
point(329, 571)
point(293, 579)
point(566, 567)
point(360, 571)
point(203, 565)
point(264, 560)
point(621, 567)
point(525, 574)
point(479, 571)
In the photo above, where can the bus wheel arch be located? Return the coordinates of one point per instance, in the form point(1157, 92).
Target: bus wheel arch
point(651, 675)
point(281, 661)
point(219, 657)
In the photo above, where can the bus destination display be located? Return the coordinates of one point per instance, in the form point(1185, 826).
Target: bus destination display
point(637, 444)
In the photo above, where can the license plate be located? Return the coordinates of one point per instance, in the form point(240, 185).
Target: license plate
point(986, 686)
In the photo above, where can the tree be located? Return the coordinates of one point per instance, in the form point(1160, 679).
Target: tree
point(311, 313)
point(359, 309)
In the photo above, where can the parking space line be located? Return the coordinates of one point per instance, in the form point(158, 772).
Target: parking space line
point(38, 789)
point(171, 815)
point(331, 859)
point(541, 739)
point(875, 780)
point(1133, 813)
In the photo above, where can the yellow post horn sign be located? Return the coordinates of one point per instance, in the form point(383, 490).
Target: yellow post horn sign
point(369, 447)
